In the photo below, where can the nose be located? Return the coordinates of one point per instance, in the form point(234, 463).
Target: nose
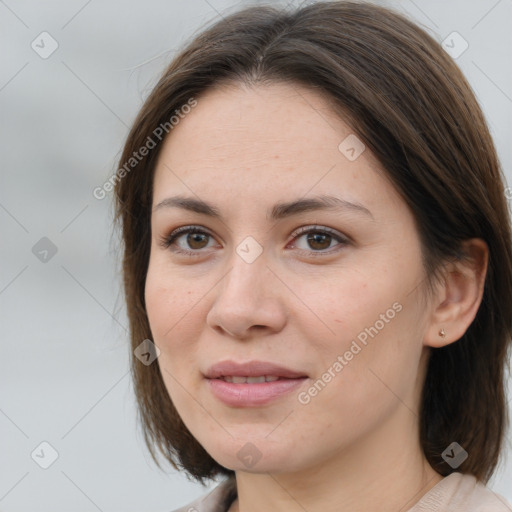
point(248, 301)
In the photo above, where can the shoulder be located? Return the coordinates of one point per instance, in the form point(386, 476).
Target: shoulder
point(217, 500)
point(461, 492)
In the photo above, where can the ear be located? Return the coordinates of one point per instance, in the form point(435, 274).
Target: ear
point(457, 300)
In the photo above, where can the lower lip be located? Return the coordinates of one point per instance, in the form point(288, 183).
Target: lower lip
point(250, 395)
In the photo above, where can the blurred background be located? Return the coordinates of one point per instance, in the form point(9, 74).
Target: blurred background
point(73, 75)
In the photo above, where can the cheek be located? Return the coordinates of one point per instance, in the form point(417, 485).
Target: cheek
point(355, 306)
point(376, 345)
point(172, 307)
point(177, 306)
point(170, 300)
point(360, 384)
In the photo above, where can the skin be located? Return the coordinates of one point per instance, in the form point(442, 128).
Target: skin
point(355, 445)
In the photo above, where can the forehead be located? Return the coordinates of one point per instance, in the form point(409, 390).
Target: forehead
point(263, 141)
point(262, 118)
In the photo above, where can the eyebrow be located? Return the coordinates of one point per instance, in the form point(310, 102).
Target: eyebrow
point(279, 210)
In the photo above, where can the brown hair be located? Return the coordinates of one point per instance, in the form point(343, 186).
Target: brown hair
point(410, 104)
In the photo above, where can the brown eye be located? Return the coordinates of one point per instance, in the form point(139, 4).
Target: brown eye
point(197, 240)
point(188, 240)
point(314, 239)
point(319, 241)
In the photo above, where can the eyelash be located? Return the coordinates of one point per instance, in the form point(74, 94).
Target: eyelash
point(168, 240)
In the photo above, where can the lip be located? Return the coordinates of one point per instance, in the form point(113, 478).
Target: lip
point(251, 369)
point(255, 394)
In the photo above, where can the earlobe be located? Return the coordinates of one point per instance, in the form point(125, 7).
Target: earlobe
point(459, 297)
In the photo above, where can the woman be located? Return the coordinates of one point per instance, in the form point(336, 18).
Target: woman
point(317, 247)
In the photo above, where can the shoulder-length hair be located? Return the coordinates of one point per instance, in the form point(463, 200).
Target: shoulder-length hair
point(409, 103)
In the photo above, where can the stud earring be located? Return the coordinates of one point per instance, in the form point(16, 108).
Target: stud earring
point(442, 333)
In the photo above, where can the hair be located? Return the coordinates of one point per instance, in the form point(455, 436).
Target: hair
point(410, 104)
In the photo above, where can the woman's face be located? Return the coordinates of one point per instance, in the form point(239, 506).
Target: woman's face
point(332, 293)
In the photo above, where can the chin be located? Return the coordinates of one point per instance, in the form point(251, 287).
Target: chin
point(262, 466)
point(255, 455)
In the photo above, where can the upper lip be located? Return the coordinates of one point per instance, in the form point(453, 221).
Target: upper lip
point(250, 369)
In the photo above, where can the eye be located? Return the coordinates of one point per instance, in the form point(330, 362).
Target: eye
point(191, 244)
point(318, 239)
point(191, 240)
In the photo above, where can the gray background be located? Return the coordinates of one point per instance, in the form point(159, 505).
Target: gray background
point(64, 367)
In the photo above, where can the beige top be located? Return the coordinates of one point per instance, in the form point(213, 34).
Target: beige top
point(456, 492)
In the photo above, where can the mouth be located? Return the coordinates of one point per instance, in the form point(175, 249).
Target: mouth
point(252, 384)
point(238, 379)
point(252, 369)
